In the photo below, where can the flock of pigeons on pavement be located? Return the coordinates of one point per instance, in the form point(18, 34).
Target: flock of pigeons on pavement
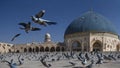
point(36, 19)
point(72, 59)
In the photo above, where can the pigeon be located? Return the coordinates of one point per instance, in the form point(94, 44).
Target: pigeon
point(28, 27)
point(43, 22)
point(15, 36)
point(20, 61)
point(87, 56)
point(84, 62)
point(38, 19)
point(90, 65)
point(44, 63)
point(11, 64)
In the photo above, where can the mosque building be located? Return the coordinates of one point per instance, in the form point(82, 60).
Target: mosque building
point(90, 32)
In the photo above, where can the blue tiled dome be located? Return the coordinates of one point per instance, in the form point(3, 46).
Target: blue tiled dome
point(90, 22)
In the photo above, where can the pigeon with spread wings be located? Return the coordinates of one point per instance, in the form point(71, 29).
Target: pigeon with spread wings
point(28, 27)
point(43, 22)
point(37, 19)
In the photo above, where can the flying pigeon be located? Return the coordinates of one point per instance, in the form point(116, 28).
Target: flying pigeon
point(15, 36)
point(44, 63)
point(11, 64)
point(42, 21)
point(28, 27)
point(37, 19)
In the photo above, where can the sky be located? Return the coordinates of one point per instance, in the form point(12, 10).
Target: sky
point(63, 12)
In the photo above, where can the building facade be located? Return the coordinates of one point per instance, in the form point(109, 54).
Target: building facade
point(5, 47)
point(46, 46)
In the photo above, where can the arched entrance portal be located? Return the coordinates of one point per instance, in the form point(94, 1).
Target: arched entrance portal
point(97, 46)
point(76, 46)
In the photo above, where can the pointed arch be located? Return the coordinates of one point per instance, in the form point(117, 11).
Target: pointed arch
point(33, 49)
point(52, 49)
point(57, 48)
point(97, 46)
point(47, 49)
point(25, 50)
point(17, 51)
point(41, 49)
point(37, 49)
point(30, 49)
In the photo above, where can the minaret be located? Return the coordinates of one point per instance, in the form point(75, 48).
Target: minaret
point(47, 37)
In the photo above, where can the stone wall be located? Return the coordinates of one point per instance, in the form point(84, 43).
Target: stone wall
point(107, 41)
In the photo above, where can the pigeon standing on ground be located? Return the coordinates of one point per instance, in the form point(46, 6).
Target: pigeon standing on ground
point(100, 59)
point(90, 65)
point(84, 62)
point(11, 64)
point(87, 56)
point(45, 64)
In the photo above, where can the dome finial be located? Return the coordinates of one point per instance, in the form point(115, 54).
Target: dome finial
point(47, 37)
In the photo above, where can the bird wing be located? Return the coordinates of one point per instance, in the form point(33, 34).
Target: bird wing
point(22, 24)
point(15, 36)
point(40, 14)
point(35, 29)
point(44, 22)
point(51, 23)
point(34, 19)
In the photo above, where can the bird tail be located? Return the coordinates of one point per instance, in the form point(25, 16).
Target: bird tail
point(22, 28)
